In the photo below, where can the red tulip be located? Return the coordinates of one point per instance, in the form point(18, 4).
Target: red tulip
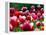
point(32, 11)
point(26, 27)
point(12, 12)
point(14, 23)
point(42, 24)
point(17, 13)
point(28, 18)
point(22, 18)
point(42, 11)
point(34, 16)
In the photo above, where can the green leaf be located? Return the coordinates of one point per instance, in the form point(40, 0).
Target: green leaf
point(34, 24)
point(17, 30)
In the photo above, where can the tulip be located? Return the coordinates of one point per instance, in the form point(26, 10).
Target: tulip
point(24, 9)
point(42, 11)
point(13, 21)
point(38, 14)
point(13, 18)
point(17, 13)
point(31, 26)
point(39, 7)
point(32, 7)
point(11, 27)
point(27, 21)
point(42, 26)
point(41, 17)
point(38, 23)
point(26, 27)
point(22, 18)
point(34, 16)
point(12, 12)
point(28, 18)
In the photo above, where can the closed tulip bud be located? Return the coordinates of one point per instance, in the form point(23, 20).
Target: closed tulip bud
point(38, 23)
point(32, 7)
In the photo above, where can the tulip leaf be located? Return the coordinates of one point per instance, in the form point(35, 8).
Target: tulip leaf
point(17, 30)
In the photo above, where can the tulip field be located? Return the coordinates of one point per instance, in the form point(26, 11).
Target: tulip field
point(26, 17)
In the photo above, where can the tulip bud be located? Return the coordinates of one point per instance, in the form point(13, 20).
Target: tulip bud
point(38, 23)
point(42, 24)
point(32, 7)
point(24, 8)
point(39, 7)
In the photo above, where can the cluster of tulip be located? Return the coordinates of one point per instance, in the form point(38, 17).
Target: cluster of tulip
point(27, 20)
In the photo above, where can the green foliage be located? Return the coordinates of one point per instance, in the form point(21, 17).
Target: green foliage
point(20, 5)
point(17, 30)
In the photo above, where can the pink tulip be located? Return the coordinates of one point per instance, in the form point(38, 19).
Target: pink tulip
point(22, 18)
point(32, 7)
point(34, 16)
